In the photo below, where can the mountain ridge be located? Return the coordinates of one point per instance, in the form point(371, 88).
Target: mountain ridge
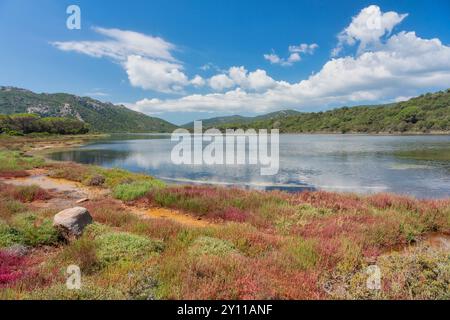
point(101, 116)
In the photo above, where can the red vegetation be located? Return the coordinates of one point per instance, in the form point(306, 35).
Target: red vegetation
point(13, 174)
point(24, 193)
point(233, 214)
point(333, 201)
point(11, 268)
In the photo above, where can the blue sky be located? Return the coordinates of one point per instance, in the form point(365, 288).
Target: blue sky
point(183, 60)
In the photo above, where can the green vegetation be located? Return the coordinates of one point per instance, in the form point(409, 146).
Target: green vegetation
point(101, 117)
point(121, 246)
point(124, 184)
point(34, 230)
point(134, 190)
point(14, 163)
point(219, 121)
point(427, 113)
point(19, 124)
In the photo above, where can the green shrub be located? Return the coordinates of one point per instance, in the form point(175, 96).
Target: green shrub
point(211, 246)
point(8, 236)
point(96, 229)
point(134, 190)
point(302, 254)
point(35, 231)
point(121, 246)
point(14, 160)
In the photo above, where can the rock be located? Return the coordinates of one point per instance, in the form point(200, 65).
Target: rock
point(71, 222)
point(18, 250)
point(82, 200)
point(97, 180)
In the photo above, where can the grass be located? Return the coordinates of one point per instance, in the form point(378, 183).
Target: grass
point(135, 190)
point(14, 164)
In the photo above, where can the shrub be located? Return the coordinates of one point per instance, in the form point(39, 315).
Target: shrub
point(302, 254)
point(96, 180)
point(13, 163)
point(9, 207)
point(81, 252)
point(10, 268)
point(35, 231)
point(110, 212)
point(30, 193)
point(8, 235)
point(122, 246)
point(134, 190)
point(211, 246)
point(70, 171)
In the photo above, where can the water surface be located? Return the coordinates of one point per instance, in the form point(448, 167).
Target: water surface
point(353, 163)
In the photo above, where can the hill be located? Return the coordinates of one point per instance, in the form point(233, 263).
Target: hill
point(220, 121)
point(100, 116)
point(424, 114)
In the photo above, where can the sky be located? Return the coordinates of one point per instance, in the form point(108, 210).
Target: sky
point(184, 60)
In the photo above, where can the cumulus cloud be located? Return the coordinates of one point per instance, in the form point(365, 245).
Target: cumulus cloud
point(240, 77)
point(147, 60)
point(294, 54)
point(398, 67)
point(368, 27)
point(155, 75)
point(198, 81)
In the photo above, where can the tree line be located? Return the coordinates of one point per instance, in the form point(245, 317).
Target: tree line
point(23, 123)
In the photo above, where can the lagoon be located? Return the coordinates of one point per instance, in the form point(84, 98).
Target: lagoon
point(412, 165)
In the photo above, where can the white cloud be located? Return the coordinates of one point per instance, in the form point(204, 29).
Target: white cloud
point(198, 81)
point(221, 82)
point(162, 76)
point(240, 77)
point(147, 60)
point(120, 44)
point(273, 58)
point(403, 65)
point(304, 48)
point(294, 55)
point(368, 27)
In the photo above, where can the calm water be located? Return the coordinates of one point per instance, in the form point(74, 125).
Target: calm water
point(355, 163)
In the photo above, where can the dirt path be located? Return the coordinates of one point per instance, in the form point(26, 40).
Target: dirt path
point(68, 194)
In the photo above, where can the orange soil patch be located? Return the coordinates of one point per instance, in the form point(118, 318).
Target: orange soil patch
point(76, 191)
point(174, 215)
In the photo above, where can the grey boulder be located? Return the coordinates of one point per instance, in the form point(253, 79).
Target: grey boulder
point(71, 222)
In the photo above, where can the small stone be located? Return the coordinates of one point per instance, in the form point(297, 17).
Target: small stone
point(71, 222)
point(82, 200)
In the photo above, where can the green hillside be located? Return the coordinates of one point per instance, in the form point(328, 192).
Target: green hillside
point(219, 121)
point(100, 116)
point(423, 114)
